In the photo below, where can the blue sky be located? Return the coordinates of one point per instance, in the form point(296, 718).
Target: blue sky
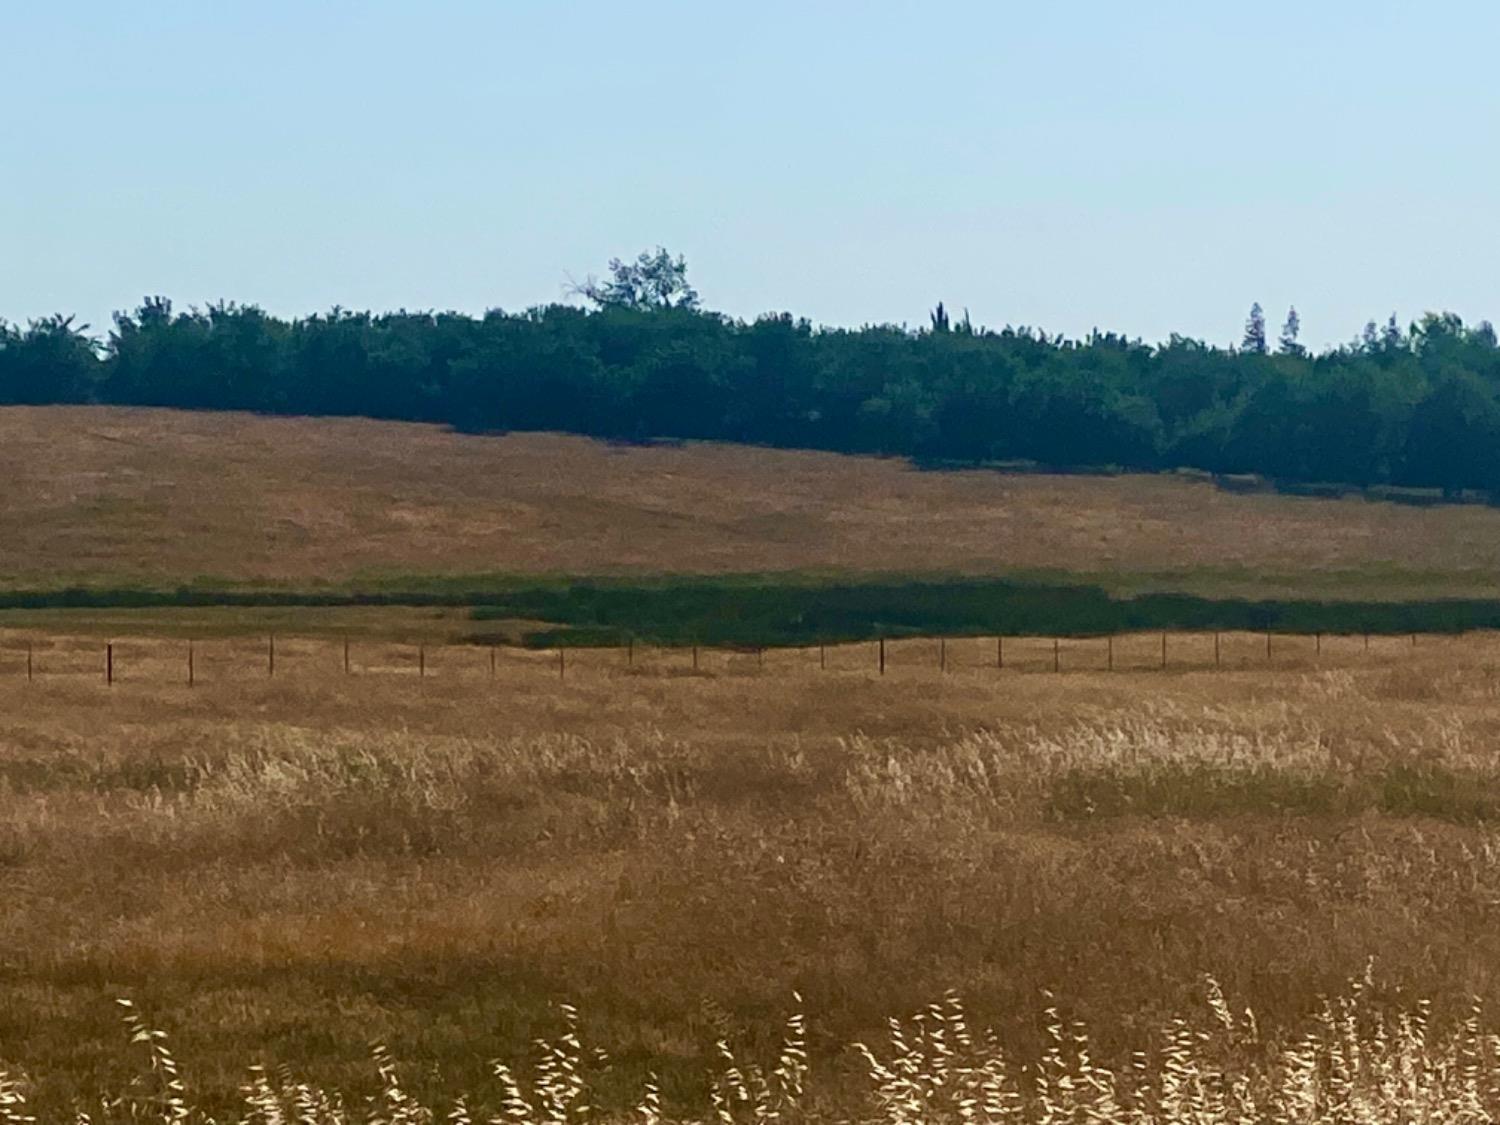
point(1147, 167)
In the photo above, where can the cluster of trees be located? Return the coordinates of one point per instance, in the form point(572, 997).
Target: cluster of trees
point(1411, 406)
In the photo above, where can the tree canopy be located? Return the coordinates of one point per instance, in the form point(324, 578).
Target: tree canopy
point(1410, 406)
point(653, 281)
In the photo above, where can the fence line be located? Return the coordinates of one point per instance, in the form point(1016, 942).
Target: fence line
point(1090, 654)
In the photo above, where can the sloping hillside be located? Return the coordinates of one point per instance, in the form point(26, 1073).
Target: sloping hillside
point(134, 496)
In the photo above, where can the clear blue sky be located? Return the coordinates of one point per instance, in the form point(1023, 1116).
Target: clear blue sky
point(1147, 167)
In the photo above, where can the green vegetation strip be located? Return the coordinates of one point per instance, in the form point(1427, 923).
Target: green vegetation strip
point(799, 610)
point(733, 613)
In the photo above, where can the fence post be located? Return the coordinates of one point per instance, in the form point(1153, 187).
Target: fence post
point(630, 652)
point(760, 656)
point(190, 662)
point(1163, 650)
point(1268, 645)
point(1216, 650)
point(1367, 642)
point(1318, 645)
point(271, 655)
point(1056, 654)
point(1000, 652)
point(882, 656)
point(492, 662)
point(562, 663)
point(942, 654)
point(695, 658)
point(822, 657)
point(1109, 642)
point(421, 661)
point(28, 662)
point(346, 655)
point(109, 664)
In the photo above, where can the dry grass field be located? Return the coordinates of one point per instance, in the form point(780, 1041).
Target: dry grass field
point(281, 870)
point(435, 849)
point(105, 495)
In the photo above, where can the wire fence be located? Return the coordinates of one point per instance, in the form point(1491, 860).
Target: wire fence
point(199, 661)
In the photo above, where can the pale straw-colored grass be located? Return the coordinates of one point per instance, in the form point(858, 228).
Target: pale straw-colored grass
point(281, 870)
point(1353, 1062)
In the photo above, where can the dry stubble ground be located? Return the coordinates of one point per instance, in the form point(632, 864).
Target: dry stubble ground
point(284, 869)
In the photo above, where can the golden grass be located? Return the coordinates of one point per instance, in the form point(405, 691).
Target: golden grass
point(280, 870)
point(153, 496)
point(1353, 1062)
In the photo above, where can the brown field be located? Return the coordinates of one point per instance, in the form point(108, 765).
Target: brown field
point(104, 495)
point(282, 870)
point(433, 851)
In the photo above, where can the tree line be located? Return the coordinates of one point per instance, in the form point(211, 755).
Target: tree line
point(1417, 405)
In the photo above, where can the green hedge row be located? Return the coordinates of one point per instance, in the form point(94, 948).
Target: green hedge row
point(751, 612)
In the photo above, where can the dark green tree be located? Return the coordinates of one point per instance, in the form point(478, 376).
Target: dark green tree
point(52, 360)
point(1391, 338)
point(1254, 341)
point(1453, 441)
point(655, 280)
point(1288, 344)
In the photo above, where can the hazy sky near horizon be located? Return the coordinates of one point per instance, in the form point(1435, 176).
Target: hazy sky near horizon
point(1148, 168)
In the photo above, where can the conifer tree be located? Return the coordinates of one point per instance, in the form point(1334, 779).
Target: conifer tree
point(1255, 331)
point(1288, 344)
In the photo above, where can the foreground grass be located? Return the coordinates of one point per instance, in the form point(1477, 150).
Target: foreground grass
point(1353, 1061)
point(285, 869)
